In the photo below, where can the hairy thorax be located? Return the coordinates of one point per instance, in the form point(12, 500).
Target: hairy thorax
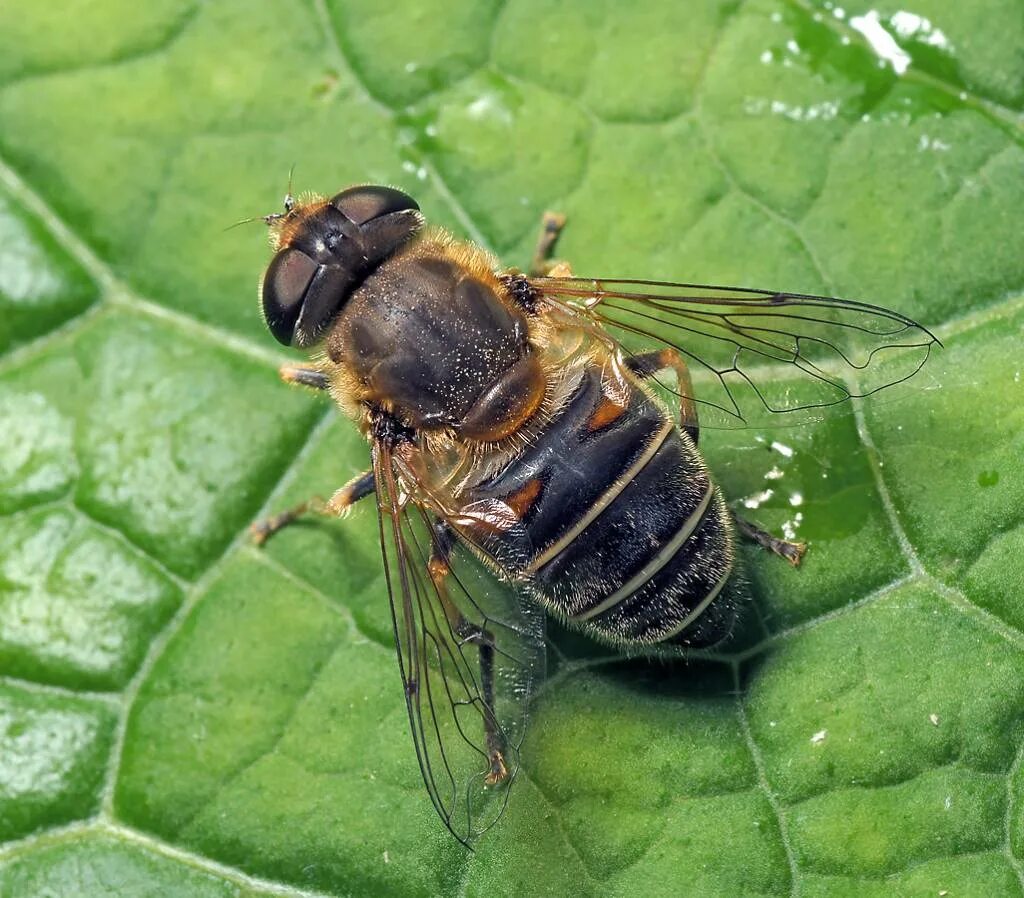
point(434, 335)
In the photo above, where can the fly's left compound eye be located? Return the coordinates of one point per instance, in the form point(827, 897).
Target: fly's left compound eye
point(285, 284)
point(363, 204)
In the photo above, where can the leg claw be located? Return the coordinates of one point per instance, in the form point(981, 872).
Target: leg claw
point(498, 771)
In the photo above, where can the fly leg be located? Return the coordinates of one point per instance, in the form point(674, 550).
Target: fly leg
point(351, 492)
point(306, 377)
point(791, 551)
point(357, 488)
point(649, 364)
point(467, 631)
point(542, 265)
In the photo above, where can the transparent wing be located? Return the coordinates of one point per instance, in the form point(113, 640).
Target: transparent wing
point(469, 653)
point(750, 351)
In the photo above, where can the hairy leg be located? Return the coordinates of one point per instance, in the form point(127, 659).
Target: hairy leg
point(306, 377)
point(650, 364)
point(357, 488)
point(791, 551)
point(551, 225)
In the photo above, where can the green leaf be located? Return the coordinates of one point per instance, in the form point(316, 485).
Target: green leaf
point(183, 714)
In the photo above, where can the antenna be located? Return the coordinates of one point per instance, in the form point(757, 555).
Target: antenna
point(289, 204)
point(267, 219)
point(289, 200)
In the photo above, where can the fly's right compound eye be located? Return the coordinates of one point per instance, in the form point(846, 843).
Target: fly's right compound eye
point(371, 201)
point(285, 285)
point(386, 217)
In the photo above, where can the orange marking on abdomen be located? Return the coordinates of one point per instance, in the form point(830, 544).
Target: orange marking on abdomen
point(523, 498)
point(606, 412)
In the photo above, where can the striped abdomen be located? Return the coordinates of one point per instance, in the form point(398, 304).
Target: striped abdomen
point(629, 538)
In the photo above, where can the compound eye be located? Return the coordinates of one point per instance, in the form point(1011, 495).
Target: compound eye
point(362, 204)
point(284, 289)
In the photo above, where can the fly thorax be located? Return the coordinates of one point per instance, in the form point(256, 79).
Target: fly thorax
point(436, 342)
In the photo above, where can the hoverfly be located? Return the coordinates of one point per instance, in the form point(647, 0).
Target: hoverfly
point(522, 464)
